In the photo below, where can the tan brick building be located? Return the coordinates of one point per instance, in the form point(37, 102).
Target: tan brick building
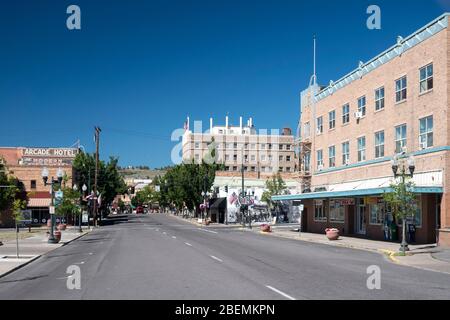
point(263, 152)
point(26, 164)
point(396, 103)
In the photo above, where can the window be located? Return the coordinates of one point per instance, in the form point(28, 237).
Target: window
point(197, 157)
point(337, 211)
point(235, 157)
point(263, 146)
point(246, 158)
point(227, 157)
point(361, 149)
point(400, 138)
point(307, 129)
point(400, 89)
point(379, 99)
point(377, 212)
point(288, 158)
point(246, 146)
point(235, 145)
point(346, 114)
point(252, 146)
point(345, 153)
point(270, 146)
point(288, 147)
point(252, 157)
point(280, 147)
point(270, 158)
point(332, 156)
point(379, 144)
point(234, 168)
point(288, 169)
point(332, 119)
point(253, 169)
point(33, 184)
point(362, 105)
point(280, 169)
point(426, 132)
point(319, 159)
point(319, 125)
point(319, 212)
point(280, 158)
point(227, 168)
point(263, 157)
point(197, 145)
point(426, 78)
point(307, 162)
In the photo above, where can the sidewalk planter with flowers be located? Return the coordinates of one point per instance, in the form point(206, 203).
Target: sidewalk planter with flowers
point(62, 226)
point(332, 233)
point(57, 235)
point(266, 228)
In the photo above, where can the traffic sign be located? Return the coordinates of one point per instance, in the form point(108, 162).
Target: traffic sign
point(52, 209)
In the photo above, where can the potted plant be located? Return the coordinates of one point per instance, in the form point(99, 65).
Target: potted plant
point(266, 228)
point(332, 233)
point(62, 226)
point(57, 235)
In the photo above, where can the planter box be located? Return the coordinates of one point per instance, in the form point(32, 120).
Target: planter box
point(332, 233)
point(266, 228)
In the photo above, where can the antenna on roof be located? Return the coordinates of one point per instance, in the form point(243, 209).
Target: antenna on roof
point(315, 76)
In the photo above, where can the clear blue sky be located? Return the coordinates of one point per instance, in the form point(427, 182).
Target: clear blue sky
point(138, 68)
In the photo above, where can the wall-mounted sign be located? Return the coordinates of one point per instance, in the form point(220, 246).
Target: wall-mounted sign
point(48, 156)
point(346, 201)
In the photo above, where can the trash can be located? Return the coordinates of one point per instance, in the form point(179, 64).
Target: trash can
point(411, 233)
point(393, 232)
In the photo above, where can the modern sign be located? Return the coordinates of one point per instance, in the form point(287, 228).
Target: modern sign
point(48, 156)
point(52, 209)
point(26, 216)
point(346, 202)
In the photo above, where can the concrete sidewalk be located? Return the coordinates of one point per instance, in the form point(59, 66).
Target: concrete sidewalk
point(31, 248)
point(428, 257)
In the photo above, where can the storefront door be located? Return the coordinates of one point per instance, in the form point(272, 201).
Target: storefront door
point(360, 217)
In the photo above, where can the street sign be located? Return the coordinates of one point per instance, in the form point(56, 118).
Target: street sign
point(26, 216)
point(59, 194)
point(84, 218)
point(52, 209)
point(301, 207)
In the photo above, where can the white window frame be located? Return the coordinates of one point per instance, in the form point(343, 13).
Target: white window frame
point(379, 98)
point(346, 152)
point(346, 113)
point(336, 211)
point(362, 105)
point(319, 159)
point(378, 145)
point(400, 140)
point(361, 149)
point(332, 156)
point(319, 212)
point(427, 134)
point(319, 125)
point(332, 119)
point(401, 89)
point(427, 80)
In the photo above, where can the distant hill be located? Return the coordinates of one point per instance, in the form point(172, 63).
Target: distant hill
point(141, 173)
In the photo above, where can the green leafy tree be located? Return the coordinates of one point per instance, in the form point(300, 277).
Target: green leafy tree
point(274, 186)
point(402, 200)
point(70, 203)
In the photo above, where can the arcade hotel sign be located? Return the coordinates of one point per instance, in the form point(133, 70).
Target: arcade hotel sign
point(48, 156)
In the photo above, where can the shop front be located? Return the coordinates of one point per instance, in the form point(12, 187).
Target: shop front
point(363, 213)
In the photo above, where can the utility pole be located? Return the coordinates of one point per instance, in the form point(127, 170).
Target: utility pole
point(243, 191)
point(97, 141)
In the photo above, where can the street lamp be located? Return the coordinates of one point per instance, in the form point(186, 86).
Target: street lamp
point(84, 189)
point(404, 166)
point(59, 175)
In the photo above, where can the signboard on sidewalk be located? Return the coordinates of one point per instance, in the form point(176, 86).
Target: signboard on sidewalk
point(84, 217)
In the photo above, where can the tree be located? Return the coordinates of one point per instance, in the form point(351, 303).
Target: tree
point(274, 186)
point(109, 181)
point(11, 189)
point(402, 201)
point(68, 205)
point(18, 206)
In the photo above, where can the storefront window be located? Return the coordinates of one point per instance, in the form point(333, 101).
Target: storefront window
point(337, 211)
point(319, 212)
point(377, 213)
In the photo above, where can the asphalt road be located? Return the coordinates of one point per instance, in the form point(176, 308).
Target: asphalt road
point(160, 257)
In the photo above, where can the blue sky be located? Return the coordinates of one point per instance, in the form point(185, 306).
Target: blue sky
point(138, 68)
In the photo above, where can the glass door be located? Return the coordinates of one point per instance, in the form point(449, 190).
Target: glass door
point(360, 216)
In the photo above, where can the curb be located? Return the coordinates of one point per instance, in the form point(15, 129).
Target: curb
point(390, 254)
point(38, 256)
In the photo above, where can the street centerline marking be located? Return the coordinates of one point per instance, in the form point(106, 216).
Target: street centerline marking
point(281, 292)
point(188, 244)
point(215, 258)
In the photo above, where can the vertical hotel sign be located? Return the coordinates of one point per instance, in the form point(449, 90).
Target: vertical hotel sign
point(48, 156)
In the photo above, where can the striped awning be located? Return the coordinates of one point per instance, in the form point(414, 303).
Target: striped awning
point(39, 202)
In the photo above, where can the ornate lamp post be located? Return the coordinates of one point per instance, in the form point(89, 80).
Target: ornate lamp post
point(407, 168)
point(59, 175)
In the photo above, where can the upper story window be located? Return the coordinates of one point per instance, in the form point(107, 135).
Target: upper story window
point(288, 147)
point(280, 158)
point(346, 153)
point(362, 105)
point(426, 132)
point(319, 159)
point(263, 146)
point(400, 89)
point(379, 144)
point(400, 138)
point(361, 149)
point(197, 145)
point(332, 156)
point(332, 119)
point(426, 78)
point(252, 157)
point(280, 146)
point(263, 157)
point(319, 125)
point(288, 158)
point(346, 113)
point(252, 146)
point(33, 184)
point(379, 99)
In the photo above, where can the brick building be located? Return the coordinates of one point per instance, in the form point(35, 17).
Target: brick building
point(26, 164)
point(395, 104)
point(263, 151)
